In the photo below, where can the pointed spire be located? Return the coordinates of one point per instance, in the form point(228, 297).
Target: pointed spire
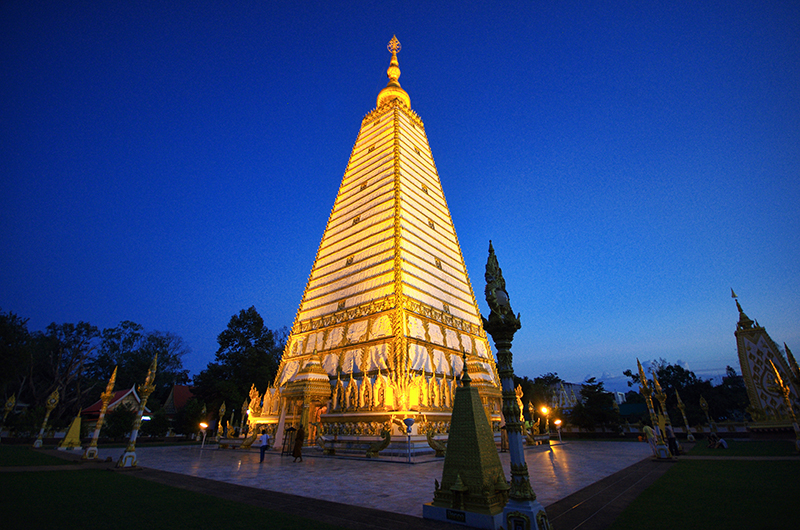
point(642, 377)
point(465, 378)
point(655, 381)
point(393, 89)
point(744, 320)
point(151, 372)
point(733, 295)
point(112, 381)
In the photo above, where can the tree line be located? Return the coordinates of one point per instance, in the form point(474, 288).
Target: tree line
point(78, 359)
point(596, 406)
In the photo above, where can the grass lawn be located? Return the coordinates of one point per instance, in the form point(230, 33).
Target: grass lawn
point(102, 499)
point(93, 498)
point(747, 448)
point(728, 494)
point(24, 455)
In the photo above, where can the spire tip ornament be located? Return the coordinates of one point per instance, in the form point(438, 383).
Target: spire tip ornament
point(393, 90)
point(394, 45)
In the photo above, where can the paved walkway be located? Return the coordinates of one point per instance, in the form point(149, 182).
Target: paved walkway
point(556, 472)
point(582, 484)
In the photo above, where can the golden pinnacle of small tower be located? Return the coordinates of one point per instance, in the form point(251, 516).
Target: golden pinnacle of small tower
point(393, 90)
point(393, 72)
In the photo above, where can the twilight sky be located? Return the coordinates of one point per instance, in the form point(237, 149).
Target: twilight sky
point(172, 163)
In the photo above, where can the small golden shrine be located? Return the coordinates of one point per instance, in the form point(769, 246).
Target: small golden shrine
point(474, 489)
point(388, 309)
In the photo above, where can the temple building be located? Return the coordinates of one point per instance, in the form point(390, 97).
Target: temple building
point(388, 314)
point(756, 349)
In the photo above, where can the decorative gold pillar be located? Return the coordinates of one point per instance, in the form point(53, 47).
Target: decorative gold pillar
point(105, 397)
point(245, 407)
point(50, 404)
point(522, 509)
point(704, 406)
point(661, 396)
point(128, 458)
point(220, 427)
point(10, 404)
point(786, 391)
point(682, 408)
point(662, 452)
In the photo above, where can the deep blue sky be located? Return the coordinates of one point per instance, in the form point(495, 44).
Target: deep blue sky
point(172, 163)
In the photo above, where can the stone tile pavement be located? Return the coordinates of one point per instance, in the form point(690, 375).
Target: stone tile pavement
point(556, 471)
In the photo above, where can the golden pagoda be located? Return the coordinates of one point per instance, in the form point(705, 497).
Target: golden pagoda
point(756, 351)
point(388, 310)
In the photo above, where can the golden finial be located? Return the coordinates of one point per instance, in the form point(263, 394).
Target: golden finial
point(393, 90)
point(394, 45)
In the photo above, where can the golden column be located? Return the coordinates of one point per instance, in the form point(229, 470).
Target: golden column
point(10, 404)
point(128, 458)
point(785, 391)
point(105, 397)
point(661, 396)
point(522, 509)
point(682, 408)
point(50, 404)
point(245, 408)
point(704, 406)
point(221, 420)
point(661, 448)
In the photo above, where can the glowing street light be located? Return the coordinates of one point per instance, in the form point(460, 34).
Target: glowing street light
point(546, 413)
point(558, 428)
point(203, 427)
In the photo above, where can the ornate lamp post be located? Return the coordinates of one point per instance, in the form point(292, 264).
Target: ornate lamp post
point(546, 413)
point(203, 427)
point(785, 391)
point(682, 407)
point(661, 448)
point(128, 458)
point(704, 406)
point(522, 509)
point(105, 397)
point(50, 404)
point(10, 404)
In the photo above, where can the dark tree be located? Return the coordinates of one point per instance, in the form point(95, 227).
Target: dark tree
point(539, 392)
point(118, 422)
point(70, 347)
point(131, 349)
point(675, 377)
point(35, 364)
point(189, 417)
point(248, 355)
point(15, 353)
point(157, 425)
point(729, 399)
point(596, 407)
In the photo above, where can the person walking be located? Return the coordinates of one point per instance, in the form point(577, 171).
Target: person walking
point(651, 438)
point(263, 441)
point(672, 440)
point(297, 452)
